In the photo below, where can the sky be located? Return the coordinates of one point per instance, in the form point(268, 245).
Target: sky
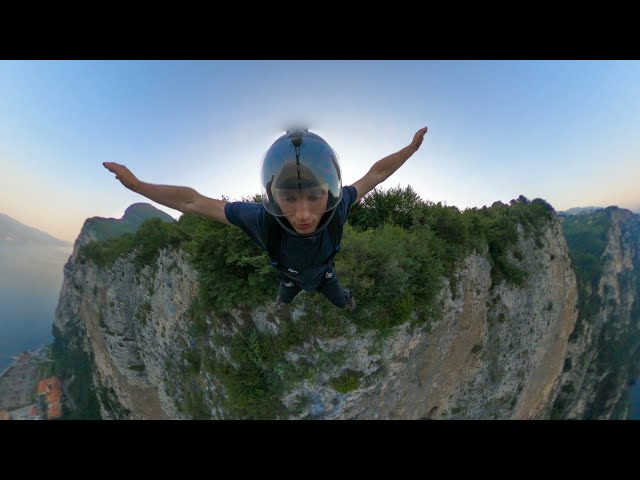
point(564, 131)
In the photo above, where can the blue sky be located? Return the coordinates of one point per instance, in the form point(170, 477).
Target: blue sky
point(565, 131)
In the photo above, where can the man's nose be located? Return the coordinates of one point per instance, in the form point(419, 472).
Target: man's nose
point(302, 209)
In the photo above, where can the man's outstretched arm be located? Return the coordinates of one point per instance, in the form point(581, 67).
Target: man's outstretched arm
point(183, 199)
point(384, 168)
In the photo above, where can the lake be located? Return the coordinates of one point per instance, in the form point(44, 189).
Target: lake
point(635, 401)
point(30, 282)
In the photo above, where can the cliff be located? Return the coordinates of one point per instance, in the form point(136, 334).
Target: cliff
point(484, 348)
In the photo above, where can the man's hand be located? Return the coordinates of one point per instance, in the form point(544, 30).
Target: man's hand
point(418, 137)
point(123, 174)
point(384, 168)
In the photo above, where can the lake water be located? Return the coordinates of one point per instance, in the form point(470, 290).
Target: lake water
point(30, 283)
point(635, 401)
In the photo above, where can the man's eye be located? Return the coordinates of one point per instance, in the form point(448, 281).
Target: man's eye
point(289, 199)
point(314, 198)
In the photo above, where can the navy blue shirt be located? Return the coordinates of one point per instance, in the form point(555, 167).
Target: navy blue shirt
point(298, 253)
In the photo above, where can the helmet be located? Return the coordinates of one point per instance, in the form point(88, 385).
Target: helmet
point(300, 165)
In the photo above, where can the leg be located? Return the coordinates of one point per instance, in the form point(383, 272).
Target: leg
point(287, 291)
point(338, 295)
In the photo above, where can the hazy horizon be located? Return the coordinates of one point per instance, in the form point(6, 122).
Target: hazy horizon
point(564, 131)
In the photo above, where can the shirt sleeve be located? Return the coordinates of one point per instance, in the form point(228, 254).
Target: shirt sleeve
point(250, 218)
point(349, 195)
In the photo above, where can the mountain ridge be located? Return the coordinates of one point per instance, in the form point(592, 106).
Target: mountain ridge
point(12, 230)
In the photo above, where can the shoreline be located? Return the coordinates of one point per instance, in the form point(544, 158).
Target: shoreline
point(18, 358)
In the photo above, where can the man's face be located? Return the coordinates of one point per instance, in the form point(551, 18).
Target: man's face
point(303, 209)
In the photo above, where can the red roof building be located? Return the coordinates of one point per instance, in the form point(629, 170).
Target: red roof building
point(50, 387)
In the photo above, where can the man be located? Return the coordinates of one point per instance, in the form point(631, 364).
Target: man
point(304, 207)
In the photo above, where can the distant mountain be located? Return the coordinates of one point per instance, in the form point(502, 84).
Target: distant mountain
point(579, 211)
point(133, 217)
point(99, 228)
point(12, 230)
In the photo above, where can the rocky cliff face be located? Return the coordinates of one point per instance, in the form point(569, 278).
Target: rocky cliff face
point(495, 353)
point(603, 350)
point(129, 332)
point(491, 351)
